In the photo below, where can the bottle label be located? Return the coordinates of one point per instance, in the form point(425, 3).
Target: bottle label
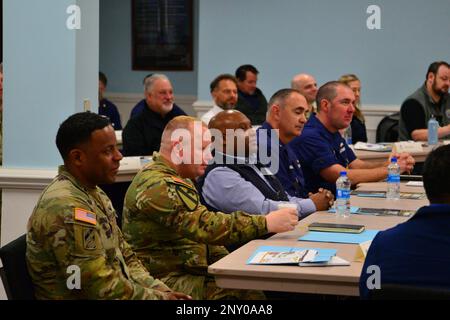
point(393, 178)
point(342, 194)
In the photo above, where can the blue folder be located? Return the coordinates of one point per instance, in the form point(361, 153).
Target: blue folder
point(323, 255)
point(339, 237)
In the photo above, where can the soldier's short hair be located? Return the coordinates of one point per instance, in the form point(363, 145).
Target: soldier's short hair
point(77, 129)
point(180, 122)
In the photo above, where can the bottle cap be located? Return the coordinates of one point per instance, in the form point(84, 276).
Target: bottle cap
point(393, 160)
point(343, 173)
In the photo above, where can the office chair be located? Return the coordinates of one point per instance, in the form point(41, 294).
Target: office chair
point(387, 129)
point(14, 273)
point(391, 291)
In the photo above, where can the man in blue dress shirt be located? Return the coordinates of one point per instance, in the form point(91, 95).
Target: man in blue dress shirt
point(322, 150)
point(238, 181)
point(106, 107)
point(417, 252)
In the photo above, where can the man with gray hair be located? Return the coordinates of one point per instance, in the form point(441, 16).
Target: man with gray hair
point(142, 134)
point(286, 117)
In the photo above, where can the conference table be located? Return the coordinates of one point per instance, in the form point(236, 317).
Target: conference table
point(233, 272)
point(365, 155)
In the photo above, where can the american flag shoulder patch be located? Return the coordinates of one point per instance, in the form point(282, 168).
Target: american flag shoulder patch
point(85, 216)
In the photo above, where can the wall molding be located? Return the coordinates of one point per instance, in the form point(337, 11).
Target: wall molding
point(32, 179)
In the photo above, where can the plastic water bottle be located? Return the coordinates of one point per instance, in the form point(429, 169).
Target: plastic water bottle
point(343, 195)
point(348, 135)
point(433, 127)
point(393, 181)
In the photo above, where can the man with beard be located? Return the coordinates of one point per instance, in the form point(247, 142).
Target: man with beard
point(142, 134)
point(432, 99)
point(224, 93)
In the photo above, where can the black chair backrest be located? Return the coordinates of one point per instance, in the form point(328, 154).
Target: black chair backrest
point(391, 291)
point(387, 130)
point(14, 274)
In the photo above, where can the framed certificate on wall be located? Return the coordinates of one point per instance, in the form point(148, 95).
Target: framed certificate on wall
point(162, 35)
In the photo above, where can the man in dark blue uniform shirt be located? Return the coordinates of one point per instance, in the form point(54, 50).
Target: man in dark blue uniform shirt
point(142, 134)
point(106, 107)
point(323, 152)
point(287, 114)
point(417, 252)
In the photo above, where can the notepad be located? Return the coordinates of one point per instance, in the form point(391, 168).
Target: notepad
point(339, 237)
point(336, 227)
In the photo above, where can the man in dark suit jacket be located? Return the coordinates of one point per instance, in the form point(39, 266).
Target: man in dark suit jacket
point(142, 134)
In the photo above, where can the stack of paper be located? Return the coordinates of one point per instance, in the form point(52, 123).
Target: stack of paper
point(303, 257)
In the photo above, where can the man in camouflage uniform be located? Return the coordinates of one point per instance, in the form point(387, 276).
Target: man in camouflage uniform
point(73, 225)
point(174, 235)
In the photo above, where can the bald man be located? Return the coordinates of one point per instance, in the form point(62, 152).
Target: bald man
point(307, 86)
point(236, 181)
point(175, 236)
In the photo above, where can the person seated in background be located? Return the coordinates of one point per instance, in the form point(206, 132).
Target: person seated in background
point(74, 224)
point(307, 86)
point(142, 134)
point(322, 150)
point(224, 93)
point(141, 105)
point(358, 127)
point(106, 107)
point(251, 100)
point(236, 181)
point(287, 110)
point(172, 233)
point(417, 252)
point(431, 99)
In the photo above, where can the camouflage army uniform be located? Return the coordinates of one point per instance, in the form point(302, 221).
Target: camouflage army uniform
point(176, 237)
point(58, 238)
